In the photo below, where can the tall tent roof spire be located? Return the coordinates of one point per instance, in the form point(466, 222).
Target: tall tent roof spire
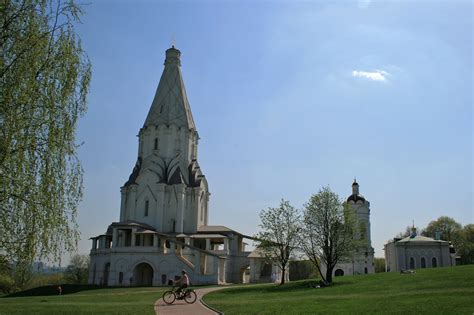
point(170, 105)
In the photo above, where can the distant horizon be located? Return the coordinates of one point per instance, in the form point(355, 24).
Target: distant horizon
point(288, 98)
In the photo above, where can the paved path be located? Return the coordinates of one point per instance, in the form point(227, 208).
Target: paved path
point(180, 307)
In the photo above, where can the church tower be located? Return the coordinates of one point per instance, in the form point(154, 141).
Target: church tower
point(167, 189)
point(364, 256)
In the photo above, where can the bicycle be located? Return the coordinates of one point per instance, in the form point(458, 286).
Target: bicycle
point(187, 294)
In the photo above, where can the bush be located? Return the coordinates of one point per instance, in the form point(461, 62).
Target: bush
point(7, 284)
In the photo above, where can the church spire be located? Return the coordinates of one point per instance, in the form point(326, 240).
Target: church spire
point(170, 105)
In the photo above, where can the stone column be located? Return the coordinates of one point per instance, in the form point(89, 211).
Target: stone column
point(226, 245)
point(206, 206)
point(160, 199)
point(208, 244)
point(123, 206)
point(155, 240)
point(115, 237)
point(197, 261)
point(181, 194)
point(133, 237)
point(172, 247)
point(132, 201)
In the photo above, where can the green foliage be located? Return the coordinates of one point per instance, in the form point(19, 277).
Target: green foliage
point(44, 80)
point(379, 264)
point(279, 234)
point(447, 226)
point(465, 246)
point(302, 269)
point(461, 237)
point(328, 231)
point(7, 283)
point(77, 271)
point(429, 291)
point(38, 280)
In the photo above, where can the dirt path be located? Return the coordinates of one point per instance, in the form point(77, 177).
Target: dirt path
point(180, 307)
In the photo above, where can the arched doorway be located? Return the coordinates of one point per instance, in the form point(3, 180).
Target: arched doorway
point(143, 275)
point(266, 272)
point(244, 274)
point(339, 272)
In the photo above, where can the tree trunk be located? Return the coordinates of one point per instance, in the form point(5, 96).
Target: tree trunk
point(282, 282)
point(329, 275)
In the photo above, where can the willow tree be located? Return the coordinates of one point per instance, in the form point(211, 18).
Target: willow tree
point(44, 75)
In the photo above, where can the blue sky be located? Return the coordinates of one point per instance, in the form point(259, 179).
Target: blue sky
point(289, 97)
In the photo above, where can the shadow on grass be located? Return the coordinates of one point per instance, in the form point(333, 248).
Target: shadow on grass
point(302, 285)
point(53, 290)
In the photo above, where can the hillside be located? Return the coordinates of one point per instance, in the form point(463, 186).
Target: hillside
point(429, 291)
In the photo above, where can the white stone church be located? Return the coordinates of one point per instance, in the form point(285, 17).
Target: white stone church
point(164, 212)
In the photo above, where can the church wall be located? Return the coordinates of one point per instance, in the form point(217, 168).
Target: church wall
point(397, 256)
point(165, 267)
point(160, 209)
point(363, 260)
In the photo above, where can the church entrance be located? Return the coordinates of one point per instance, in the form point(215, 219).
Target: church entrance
point(143, 275)
point(339, 272)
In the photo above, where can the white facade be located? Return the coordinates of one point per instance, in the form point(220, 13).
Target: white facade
point(362, 262)
point(164, 212)
point(417, 251)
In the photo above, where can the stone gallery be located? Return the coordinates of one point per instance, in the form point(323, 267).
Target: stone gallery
point(164, 212)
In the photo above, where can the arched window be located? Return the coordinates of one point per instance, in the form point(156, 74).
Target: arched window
point(412, 263)
point(434, 262)
point(423, 262)
point(155, 144)
point(365, 270)
point(147, 204)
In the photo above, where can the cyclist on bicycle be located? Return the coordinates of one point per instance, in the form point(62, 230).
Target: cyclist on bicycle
point(183, 282)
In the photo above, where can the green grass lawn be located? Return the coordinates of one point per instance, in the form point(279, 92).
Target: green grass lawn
point(98, 301)
point(428, 291)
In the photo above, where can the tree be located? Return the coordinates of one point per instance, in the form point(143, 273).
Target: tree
point(279, 234)
point(302, 269)
point(408, 231)
point(328, 231)
point(465, 246)
point(7, 282)
point(446, 226)
point(379, 264)
point(77, 270)
point(44, 81)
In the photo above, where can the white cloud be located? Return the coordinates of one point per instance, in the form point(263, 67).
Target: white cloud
point(363, 4)
point(377, 75)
